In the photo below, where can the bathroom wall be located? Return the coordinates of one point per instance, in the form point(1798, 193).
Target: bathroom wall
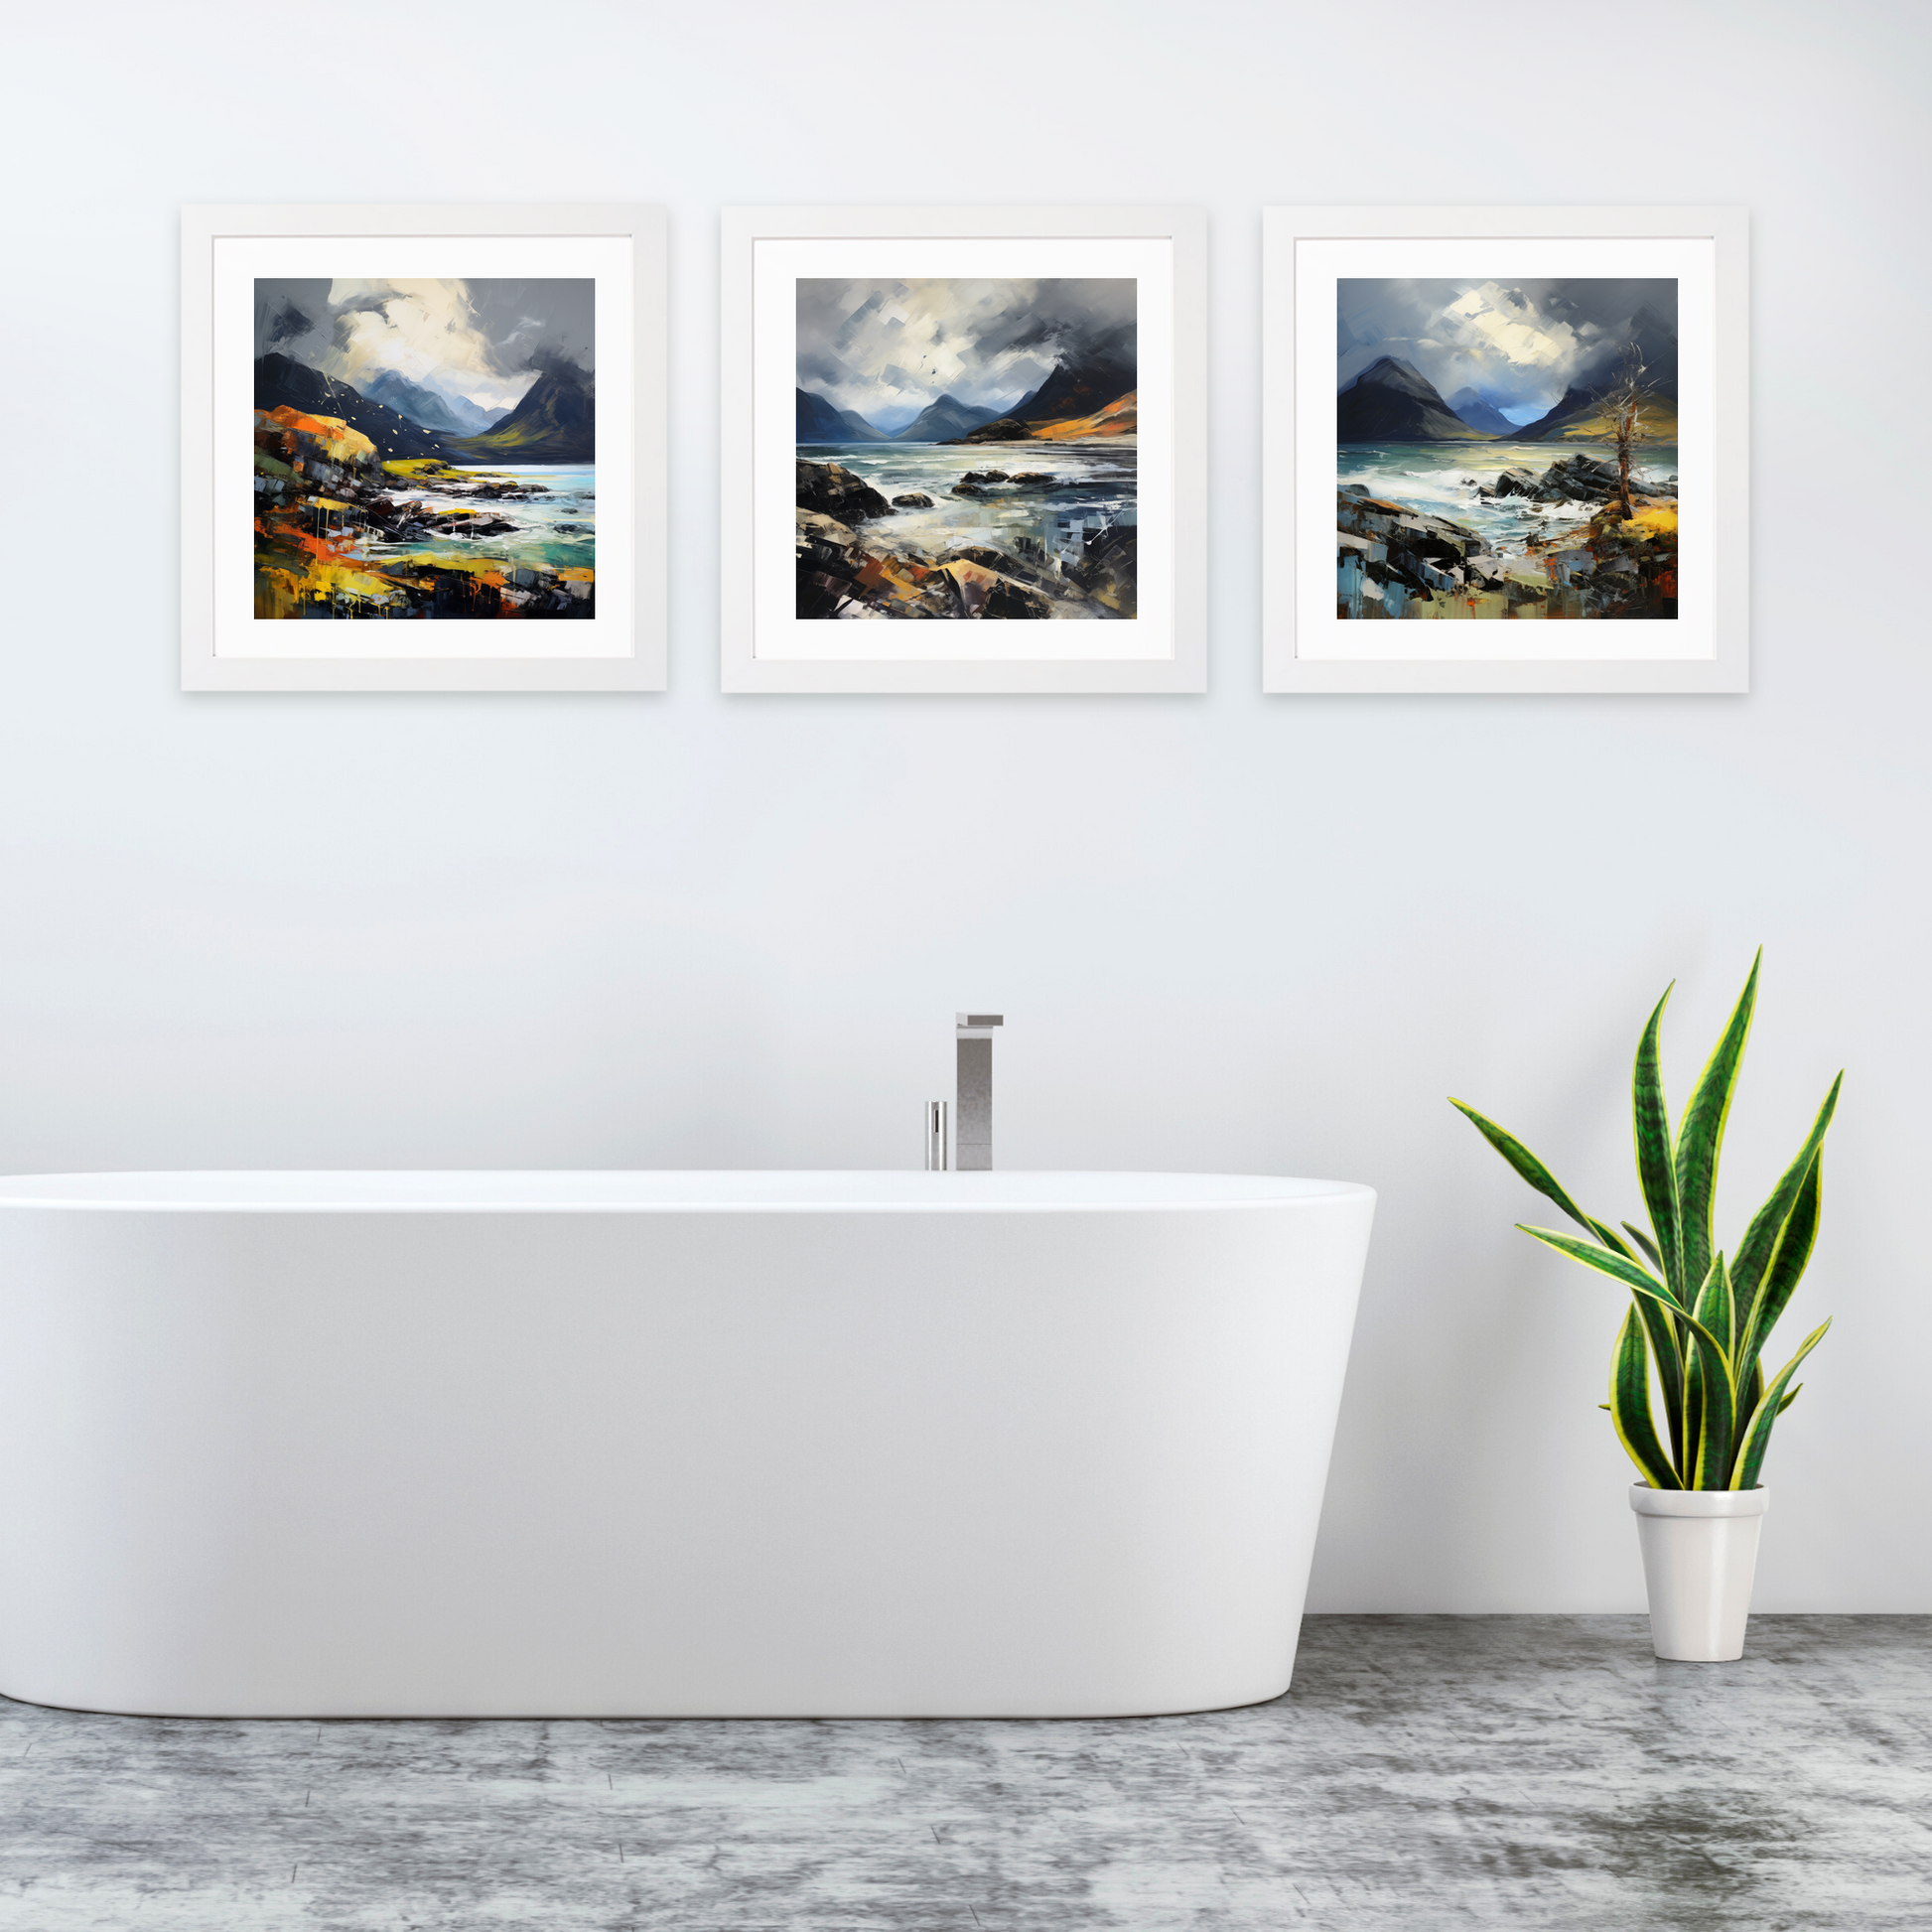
point(1228, 932)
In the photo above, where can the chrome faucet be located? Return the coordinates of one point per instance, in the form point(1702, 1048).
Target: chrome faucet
point(973, 1102)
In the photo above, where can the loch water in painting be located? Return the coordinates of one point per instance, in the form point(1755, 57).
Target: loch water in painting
point(425, 449)
point(967, 449)
point(1506, 450)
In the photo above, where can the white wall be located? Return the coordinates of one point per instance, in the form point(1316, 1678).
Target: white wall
point(1228, 932)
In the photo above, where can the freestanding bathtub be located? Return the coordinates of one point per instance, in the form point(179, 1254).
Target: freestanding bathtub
point(666, 1444)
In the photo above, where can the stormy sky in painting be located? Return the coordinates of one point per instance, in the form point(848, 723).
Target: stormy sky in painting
point(884, 349)
point(1519, 345)
point(478, 342)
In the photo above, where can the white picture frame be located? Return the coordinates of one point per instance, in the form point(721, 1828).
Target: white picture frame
point(766, 646)
point(1307, 646)
point(622, 646)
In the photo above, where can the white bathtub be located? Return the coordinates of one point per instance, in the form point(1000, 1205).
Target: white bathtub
point(722, 1445)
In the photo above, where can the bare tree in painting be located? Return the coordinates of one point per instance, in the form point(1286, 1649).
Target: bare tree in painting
point(1622, 401)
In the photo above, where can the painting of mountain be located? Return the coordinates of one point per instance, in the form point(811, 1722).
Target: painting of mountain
point(1392, 401)
point(945, 420)
point(454, 415)
point(281, 383)
point(425, 449)
point(967, 449)
point(820, 421)
point(1475, 409)
point(554, 422)
point(1447, 396)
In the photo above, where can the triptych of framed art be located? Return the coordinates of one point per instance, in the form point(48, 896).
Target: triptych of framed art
point(964, 450)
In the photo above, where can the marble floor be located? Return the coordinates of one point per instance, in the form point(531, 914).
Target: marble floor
point(1423, 1772)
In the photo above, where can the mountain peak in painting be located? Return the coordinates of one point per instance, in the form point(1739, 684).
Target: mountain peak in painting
point(556, 422)
point(1577, 406)
point(1078, 398)
point(1392, 401)
point(944, 419)
point(281, 382)
point(1475, 409)
point(454, 415)
point(821, 421)
point(1086, 380)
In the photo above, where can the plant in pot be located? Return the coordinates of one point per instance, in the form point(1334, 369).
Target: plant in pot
point(1699, 1322)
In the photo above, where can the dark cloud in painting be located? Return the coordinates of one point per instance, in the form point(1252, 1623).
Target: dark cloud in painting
point(285, 325)
point(884, 349)
point(481, 342)
point(1520, 344)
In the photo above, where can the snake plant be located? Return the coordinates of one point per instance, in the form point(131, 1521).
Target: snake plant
point(1700, 1322)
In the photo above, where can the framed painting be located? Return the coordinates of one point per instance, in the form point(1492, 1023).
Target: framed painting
point(964, 450)
point(423, 449)
point(1505, 450)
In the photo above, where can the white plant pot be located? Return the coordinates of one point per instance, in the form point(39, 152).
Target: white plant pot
point(1700, 1553)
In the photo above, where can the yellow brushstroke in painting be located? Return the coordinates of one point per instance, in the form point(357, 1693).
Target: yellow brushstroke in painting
point(901, 578)
point(1659, 425)
point(317, 569)
point(339, 443)
point(281, 593)
point(1119, 418)
point(1446, 605)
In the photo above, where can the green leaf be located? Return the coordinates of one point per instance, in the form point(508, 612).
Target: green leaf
point(1656, 1169)
point(1786, 1267)
point(1778, 1242)
point(1707, 1374)
point(1710, 1386)
point(1611, 1239)
point(1648, 1246)
point(1755, 1437)
point(1705, 1352)
point(1619, 1268)
point(1667, 1348)
point(1717, 1423)
point(1767, 1224)
point(1716, 1305)
point(1527, 1166)
point(1790, 1396)
point(1631, 1405)
point(1700, 1136)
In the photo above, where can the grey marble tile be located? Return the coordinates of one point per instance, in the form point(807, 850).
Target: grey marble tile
point(1425, 1772)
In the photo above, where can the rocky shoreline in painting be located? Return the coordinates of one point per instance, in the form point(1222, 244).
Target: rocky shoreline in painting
point(852, 564)
point(1395, 562)
point(342, 534)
